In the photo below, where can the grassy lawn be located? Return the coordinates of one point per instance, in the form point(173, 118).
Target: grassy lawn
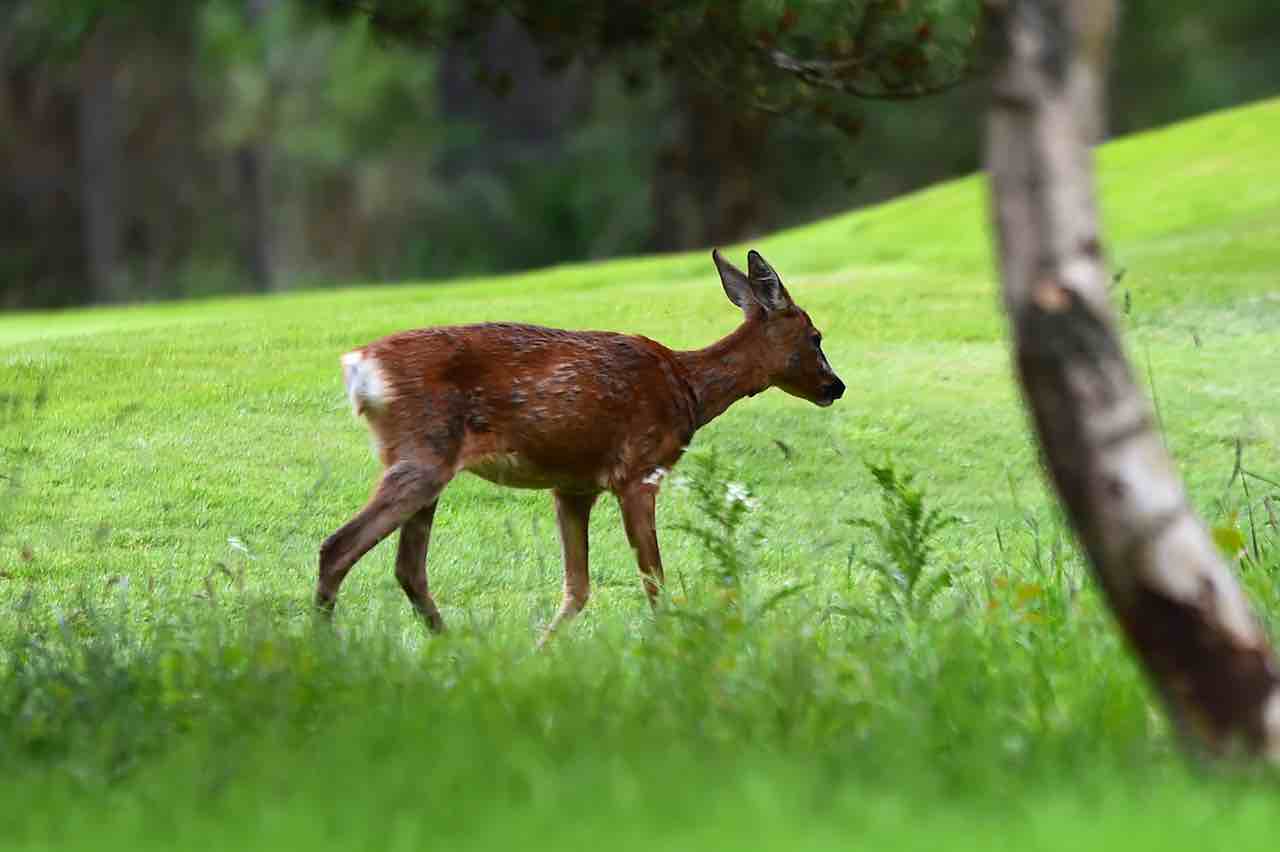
point(167, 474)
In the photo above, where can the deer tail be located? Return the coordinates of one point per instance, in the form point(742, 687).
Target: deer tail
point(366, 386)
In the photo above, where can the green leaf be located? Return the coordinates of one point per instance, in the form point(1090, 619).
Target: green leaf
point(1229, 540)
point(780, 596)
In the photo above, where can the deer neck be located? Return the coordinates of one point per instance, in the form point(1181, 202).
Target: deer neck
point(726, 371)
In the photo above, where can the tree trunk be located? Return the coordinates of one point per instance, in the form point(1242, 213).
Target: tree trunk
point(529, 118)
point(253, 169)
point(253, 166)
point(1179, 605)
point(707, 182)
point(97, 108)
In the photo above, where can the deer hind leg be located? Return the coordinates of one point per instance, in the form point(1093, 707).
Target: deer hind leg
point(572, 514)
point(405, 489)
point(411, 566)
point(638, 509)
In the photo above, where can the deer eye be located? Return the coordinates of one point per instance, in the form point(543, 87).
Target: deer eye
point(816, 338)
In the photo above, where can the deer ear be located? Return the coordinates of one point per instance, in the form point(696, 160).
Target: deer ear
point(736, 284)
point(765, 283)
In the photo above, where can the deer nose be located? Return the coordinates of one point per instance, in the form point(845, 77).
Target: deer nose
point(834, 390)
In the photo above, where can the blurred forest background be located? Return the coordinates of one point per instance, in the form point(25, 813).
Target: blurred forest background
point(154, 150)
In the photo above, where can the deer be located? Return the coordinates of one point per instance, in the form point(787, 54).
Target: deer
point(574, 412)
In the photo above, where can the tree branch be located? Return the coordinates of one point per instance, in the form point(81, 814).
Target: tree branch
point(839, 75)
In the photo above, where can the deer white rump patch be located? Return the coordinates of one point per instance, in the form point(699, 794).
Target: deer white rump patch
point(366, 387)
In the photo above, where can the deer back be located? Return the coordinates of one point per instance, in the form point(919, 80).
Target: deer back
point(524, 405)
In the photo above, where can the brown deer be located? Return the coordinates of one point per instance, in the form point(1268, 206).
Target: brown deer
point(576, 412)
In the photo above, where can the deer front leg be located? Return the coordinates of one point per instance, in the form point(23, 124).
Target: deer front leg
point(638, 507)
point(411, 566)
point(573, 512)
point(405, 488)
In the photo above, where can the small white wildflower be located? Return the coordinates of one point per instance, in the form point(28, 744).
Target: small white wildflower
point(655, 476)
point(736, 492)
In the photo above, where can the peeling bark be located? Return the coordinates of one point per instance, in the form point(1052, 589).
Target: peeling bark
point(1179, 605)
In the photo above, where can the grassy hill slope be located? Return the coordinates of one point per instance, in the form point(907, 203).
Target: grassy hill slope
point(177, 466)
point(169, 429)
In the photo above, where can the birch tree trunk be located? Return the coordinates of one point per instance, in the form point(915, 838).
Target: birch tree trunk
point(1179, 605)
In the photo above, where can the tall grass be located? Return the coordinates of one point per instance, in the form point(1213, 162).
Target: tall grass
point(1005, 684)
point(737, 714)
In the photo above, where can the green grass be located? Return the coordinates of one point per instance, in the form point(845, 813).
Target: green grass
point(169, 472)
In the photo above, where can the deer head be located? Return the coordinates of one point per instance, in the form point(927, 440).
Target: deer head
point(791, 347)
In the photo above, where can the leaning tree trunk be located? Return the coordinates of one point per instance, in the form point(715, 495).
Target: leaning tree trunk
point(1179, 605)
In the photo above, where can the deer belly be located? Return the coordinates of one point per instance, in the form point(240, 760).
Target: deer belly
point(516, 471)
